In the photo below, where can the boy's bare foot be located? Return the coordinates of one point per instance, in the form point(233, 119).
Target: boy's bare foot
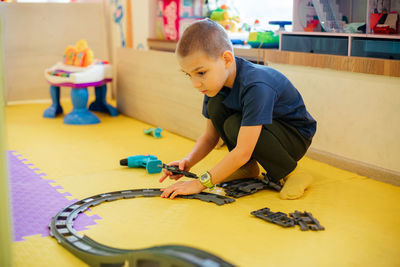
point(296, 183)
point(248, 170)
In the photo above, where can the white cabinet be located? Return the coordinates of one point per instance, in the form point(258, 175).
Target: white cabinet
point(335, 41)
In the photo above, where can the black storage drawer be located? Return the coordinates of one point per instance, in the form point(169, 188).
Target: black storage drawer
point(332, 45)
point(377, 48)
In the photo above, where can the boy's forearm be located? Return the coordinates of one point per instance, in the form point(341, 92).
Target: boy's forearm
point(202, 148)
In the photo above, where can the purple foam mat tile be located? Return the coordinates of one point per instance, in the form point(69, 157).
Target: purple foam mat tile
point(34, 201)
point(57, 186)
point(66, 194)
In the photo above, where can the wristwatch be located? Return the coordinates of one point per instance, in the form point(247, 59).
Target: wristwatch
point(205, 180)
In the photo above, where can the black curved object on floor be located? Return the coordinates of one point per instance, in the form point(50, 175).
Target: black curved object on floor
point(96, 254)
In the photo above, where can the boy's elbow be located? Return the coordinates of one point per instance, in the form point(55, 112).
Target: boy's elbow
point(244, 156)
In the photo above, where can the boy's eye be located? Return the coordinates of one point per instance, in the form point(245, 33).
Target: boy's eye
point(201, 73)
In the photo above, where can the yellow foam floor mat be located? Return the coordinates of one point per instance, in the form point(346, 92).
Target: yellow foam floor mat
point(361, 216)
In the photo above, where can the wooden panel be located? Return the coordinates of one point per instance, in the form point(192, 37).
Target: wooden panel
point(361, 168)
point(161, 45)
point(35, 36)
point(151, 88)
point(357, 114)
point(256, 55)
point(391, 68)
point(307, 59)
point(366, 65)
point(343, 63)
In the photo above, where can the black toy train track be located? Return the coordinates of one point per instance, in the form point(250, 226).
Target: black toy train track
point(96, 254)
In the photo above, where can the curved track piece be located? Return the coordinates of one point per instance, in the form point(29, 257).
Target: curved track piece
point(209, 197)
point(96, 254)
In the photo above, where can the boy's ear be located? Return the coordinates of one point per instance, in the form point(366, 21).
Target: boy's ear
point(228, 58)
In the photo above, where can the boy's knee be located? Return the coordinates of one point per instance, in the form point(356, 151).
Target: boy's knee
point(232, 126)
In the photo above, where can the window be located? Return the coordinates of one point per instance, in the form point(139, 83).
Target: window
point(265, 11)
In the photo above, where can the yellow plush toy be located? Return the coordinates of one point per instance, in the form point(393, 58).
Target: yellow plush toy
point(79, 55)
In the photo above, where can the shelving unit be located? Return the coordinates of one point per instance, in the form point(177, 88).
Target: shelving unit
point(336, 42)
point(343, 44)
point(365, 53)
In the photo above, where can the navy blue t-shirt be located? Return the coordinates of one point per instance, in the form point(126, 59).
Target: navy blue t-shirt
point(263, 94)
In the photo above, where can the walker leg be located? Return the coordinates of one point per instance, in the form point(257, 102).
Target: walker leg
point(80, 114)
point(100, 103)
point(55, 108)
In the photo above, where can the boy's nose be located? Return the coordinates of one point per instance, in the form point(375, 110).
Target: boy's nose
point(196, 84)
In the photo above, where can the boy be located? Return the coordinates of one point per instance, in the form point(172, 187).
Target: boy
point(256, 111)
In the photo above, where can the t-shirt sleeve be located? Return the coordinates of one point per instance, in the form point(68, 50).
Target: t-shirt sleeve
point(258, 103)
point(204, 112)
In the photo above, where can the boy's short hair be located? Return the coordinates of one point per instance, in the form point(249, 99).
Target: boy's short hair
point(204, 35)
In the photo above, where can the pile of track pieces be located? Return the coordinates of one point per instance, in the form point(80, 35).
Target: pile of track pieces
point(247, 186)
point(304, 219)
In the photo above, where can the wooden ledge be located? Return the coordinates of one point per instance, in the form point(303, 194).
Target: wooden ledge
point(366, 65)
point(344, 63)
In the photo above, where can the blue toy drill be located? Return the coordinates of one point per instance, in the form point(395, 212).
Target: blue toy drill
point(150, 162)
point(153, 165)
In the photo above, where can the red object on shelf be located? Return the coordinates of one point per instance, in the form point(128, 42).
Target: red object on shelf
point(382, 29)
point(171, 19)
point(374, 19)
point(177, 15)
point(312, 26)
point(390, 26)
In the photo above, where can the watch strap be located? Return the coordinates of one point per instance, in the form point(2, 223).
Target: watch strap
point(207, 181)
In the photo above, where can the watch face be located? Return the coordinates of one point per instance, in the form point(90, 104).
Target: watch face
point(204, 177)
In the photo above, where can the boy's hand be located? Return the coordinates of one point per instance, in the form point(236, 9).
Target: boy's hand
point(182, 188)
point(182, 164)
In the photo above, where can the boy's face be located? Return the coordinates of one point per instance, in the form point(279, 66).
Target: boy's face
point(208, 75)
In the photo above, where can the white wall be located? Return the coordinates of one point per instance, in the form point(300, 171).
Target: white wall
point(141, 18)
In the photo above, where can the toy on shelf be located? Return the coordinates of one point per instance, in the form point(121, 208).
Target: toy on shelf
point(385, 23)
point(173, 16)
point(79, 70)
point(281, 23)
point(260, 38)
point(329, 15)
point(149, 162)
point(313, 26)
point(224, 16)
point(267, 39)
point(156, 132)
